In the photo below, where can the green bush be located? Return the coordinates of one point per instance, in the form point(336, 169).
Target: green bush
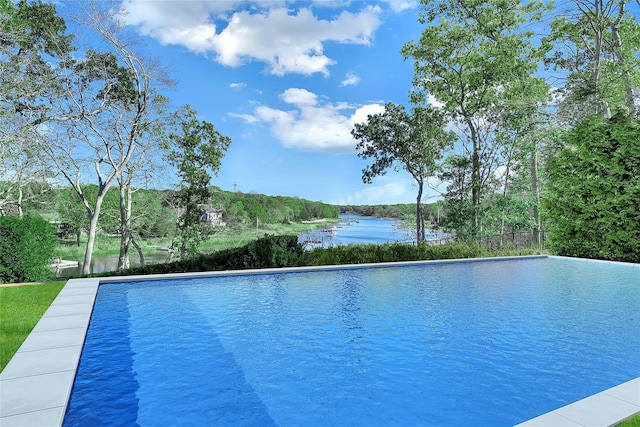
point(394, 252)
point(267, 252)
point(592, 202)
point(27, 245)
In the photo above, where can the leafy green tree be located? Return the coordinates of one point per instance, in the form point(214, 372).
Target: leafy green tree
point(458, 210)
point(32, 36)
point(27, 244)
point(195, 151)
point(472, 57)
point(154, 219)
point(592, 202)
point(71, 210)
point(411, 142)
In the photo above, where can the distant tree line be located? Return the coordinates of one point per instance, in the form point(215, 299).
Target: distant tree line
point(401, 211)
point(155, 212)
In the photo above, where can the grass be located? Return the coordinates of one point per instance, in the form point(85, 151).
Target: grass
point(223, 238)
point(21, 308)
point(631, 422)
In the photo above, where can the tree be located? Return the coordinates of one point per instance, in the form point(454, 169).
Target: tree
point(197, 149)
point(32, 37)
point(104, 109)
point(71, 211)
point(598, 44)
point(592, 202)
point(151, 132)
point(411, 142)
point(471, 57)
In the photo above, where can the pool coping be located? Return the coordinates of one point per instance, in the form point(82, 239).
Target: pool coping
point(36, 393)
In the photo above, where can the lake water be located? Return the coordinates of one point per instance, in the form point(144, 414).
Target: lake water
point(100, 264)
point(356, 229)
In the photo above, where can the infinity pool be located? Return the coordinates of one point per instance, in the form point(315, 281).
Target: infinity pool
point(476, 343)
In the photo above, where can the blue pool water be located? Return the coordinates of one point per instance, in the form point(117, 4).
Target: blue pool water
point(477, 343)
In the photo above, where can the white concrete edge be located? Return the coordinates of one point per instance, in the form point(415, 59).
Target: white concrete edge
point(137, 278)
point(607, 408)
point(36, 384)
point(605, 261)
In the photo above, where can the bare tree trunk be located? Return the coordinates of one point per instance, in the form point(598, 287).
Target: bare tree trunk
point(475, 180)
point(615, 34)
point(420, 236)
point(536, 195)
point(20, 196)
point(135, 245)
point(125, 224)
point(93, 226)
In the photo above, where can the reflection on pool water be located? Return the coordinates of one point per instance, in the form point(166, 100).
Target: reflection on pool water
point(476, 343)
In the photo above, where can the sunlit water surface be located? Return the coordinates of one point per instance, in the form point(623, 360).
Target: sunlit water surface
point(477, 343)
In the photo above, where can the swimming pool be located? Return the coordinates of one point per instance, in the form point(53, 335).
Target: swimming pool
point(473, 343)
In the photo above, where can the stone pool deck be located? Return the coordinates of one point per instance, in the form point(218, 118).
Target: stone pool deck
point(36, 384)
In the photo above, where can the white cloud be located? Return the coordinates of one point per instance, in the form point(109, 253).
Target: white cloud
point(237, 86)
point(311, 124)
point(299, 97)
point(393, 188)
point(373, 195)
point(350, 80)
point(246, 117)
point(390, 189)
point(402, 5)
point(287, 41)
point(433, 101)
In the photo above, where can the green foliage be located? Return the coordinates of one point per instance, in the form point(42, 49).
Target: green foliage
point(267, 252)
point(400, 211)
point(599, 48)
point(196, 150)
point(152, 218)
point(247, 208)
point(26, 249)
point(478, 60)
point(593, 200)
point(393, 252)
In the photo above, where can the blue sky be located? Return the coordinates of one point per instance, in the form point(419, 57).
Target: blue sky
point(287, 81)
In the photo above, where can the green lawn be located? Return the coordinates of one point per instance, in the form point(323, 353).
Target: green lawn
point(631, 422)
point(21, 307)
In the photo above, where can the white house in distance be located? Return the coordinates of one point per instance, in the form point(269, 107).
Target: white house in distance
point(213, 217)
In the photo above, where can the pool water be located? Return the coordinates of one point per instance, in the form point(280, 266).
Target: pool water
point(476, 343)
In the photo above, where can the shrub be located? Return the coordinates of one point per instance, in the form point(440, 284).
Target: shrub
point(267, 252)
point(592, 203)
point(27, 245)
point(393, 252)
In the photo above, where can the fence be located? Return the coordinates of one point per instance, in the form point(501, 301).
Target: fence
point(519, 239)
